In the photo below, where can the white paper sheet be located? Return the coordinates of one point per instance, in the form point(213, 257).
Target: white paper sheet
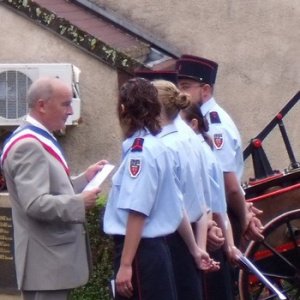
point(99, 177)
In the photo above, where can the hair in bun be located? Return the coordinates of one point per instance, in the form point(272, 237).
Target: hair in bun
point(171, 98)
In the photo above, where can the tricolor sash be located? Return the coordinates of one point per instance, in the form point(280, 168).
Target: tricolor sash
point(47, 141)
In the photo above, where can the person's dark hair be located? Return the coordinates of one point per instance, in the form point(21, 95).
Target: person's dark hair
point(138, 107)
point(171, 98)
point(193, 112)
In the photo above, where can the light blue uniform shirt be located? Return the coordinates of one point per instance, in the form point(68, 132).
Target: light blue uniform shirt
point(226, 138)
point(185, 163)
point(145, 182)
point(216, 179)
point(201, 176)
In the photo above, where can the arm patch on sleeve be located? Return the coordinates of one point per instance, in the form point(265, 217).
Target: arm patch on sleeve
point(135, 166)
point(214, 117)
point(218, 140)
point(137, 145)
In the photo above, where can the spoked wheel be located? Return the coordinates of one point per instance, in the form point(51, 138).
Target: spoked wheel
point(277, 257)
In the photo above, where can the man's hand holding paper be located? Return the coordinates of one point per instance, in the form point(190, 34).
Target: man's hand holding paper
point(100, 176)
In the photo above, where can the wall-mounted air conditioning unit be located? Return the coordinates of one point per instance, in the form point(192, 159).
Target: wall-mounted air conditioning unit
point(15, 80)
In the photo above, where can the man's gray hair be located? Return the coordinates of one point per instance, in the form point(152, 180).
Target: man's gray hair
point(43, 88)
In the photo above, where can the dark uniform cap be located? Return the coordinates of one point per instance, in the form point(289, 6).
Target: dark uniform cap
point(157, 74)
point(197, 68)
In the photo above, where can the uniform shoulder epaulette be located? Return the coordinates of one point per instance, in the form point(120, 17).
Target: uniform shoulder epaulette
point(214, 117)
point(137, 145)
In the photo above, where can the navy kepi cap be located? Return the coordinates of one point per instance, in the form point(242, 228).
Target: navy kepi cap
point(197, 68)
point(157, 74)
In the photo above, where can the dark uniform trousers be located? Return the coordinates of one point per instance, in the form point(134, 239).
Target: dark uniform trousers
point(188, 277)
point(219, 285)
point(153, 276)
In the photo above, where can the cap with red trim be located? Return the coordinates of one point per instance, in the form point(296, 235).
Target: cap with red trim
point(197, 68)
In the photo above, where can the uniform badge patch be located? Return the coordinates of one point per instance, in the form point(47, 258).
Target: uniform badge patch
point(137, 145)
point(218, 140)
point(214, 117)
point(135, 167)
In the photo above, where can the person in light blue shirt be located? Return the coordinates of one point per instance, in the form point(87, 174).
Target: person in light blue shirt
point(193, 116)
point(145, 202)
point(197, 76)
point(187, 168)
point(218, 283)
point(189, 137)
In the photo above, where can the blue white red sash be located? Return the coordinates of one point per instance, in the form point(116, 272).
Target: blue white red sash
point(47, 141)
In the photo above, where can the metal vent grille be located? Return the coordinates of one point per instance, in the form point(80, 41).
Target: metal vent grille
point(13, 89)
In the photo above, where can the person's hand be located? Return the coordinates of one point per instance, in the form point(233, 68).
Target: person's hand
point(213, 266)
point(233, 255)
point(248, 216)
point(123, 281)
point(252, 210)
point(204, 262)
point(92, 170)
point(201, 258)
point(255, 210)
point(215, 238)
point(90, 197)
point(247, 225)
point(254, 230)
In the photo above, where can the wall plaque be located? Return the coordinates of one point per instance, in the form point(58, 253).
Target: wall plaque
point(8, 281)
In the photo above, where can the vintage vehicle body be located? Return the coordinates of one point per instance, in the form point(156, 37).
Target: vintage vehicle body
point(278, 195)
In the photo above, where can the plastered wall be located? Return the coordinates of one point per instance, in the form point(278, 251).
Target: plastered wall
point(98, 136)
point(256, 44)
